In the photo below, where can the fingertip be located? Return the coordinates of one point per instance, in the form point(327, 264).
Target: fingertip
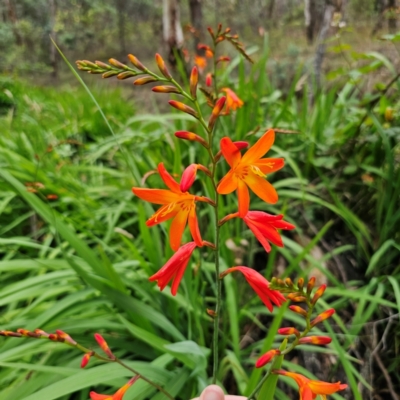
point(212, 392)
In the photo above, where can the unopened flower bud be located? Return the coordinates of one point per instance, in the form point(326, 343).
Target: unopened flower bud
point(215, 112)
point(86, 358)
point(103, 345)
point(267, 357)
point(117, 63)
point(165, 89)
point(211, 32)
point(298, 310)
point(136, 62)
point(126, 75)
point(194, 80)
point(161, 66)
point(102, 65)
point(211, 313)
point(319, 340)
point(209, 79)
point(144, 80)
point(288, 331)
point(10, 334)
point(318, 294)
point(323, 316)
point(191, 136)
point(300, 283)
point(223, 58)
point(183, 107)
point(296, 298)
point(107, 74)
point(65, 337)
point(310, 285)
point(289, 282)
point(188, 177)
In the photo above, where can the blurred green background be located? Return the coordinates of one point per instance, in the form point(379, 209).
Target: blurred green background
point(79, 260)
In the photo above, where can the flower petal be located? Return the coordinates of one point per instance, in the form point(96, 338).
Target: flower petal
point(96, 396)
point(243, 198)
point(262, 188)
point(168, 179)
point(268, 165)
point(162, 214)
point(194, 227)
point(259, 148)
point(269, 232)
point(259, 236)
point(319, 387)
point(177, 227)
point(228, 183)
point(230, 152)
point(157, 196)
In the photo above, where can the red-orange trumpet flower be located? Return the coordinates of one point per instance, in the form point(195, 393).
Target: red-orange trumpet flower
point(181, 206)
point(118, 395)
point(264, 226)
point(249, 170)
point(309, 389)
point(174, 268)
point(233, 102)
point(260, 285)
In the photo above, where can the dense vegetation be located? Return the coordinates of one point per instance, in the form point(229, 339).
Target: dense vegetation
point(76, 252)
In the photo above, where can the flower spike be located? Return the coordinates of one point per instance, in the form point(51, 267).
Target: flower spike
point(260, 285)
point(249, 170)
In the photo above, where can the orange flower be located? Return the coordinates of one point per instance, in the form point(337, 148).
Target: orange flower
point(310, 389)
point(264, 226)
point(118, 395)
point(232, 100)
point(174, 268)
point(249, 170)
point(260, 285)
point(201, 62)
point(181, 206)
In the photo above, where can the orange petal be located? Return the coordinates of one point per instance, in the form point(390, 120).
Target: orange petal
point(228, 183)
point(168, 179)
point(177, 227)
point(306, 393)
point(319, 387)
point(262, 188)
point(230, 152)
point(268, 165)
point(243, 198)
point(96, 396)
point(194, 227)
point(162, 214)
point(260, 237)
point(157, 196)
point(259, 148)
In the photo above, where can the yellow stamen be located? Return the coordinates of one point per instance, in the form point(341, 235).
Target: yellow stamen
point(257, 171)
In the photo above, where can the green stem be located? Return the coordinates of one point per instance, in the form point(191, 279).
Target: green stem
point(259, 386)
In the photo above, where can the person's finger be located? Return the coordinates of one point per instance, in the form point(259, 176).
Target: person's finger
point(212, 392)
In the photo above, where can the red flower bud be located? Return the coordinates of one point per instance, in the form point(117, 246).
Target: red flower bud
point(136, 62)
point(267, 357)
point(86, 358)
point(117, 64)
point(65, 337)
point(310, 285)
point(161, 66)
point(165, 89)
point(103, 345)
point(216, 111)
point(183, 107)
point(144, 80)
point(192, 137)
point(288, 331)
point(194, 80)
point(315, 340)
point(209, 79)
point(298, 310)
point(318, 294)
point(323, 316)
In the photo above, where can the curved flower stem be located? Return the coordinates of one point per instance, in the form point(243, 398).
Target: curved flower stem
point(260, 384)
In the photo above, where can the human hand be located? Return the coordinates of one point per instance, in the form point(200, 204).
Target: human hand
point(214, 392)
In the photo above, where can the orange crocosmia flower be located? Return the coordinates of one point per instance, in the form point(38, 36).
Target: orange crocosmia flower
point(260, 285)
point(309, 389)
point(201, 62)
point(249, 171)
point(181, 206)
point(232, 100)
point(175, 268)
point(118, 395)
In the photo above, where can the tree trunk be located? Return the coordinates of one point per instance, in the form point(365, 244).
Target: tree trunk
point(53, 53)
point(196, 18)
point(172, 29)
point(392, 16)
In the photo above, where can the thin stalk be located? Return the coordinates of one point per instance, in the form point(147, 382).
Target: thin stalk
point(259, 386)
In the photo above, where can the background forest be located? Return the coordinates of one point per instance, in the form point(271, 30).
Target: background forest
point(77, 255)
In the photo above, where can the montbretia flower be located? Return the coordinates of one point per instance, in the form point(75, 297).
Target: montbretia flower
point(264, 226)
point(249, 171)
point(181, 206)
point(322, 317)
point(260, 285)
point(175, 268)
point(267, 357)
point(232, 100)
point(318, 340)
point(189, 175)
point(309, 389)
point(118, 395)
point(201, 62)
point(103, 345)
